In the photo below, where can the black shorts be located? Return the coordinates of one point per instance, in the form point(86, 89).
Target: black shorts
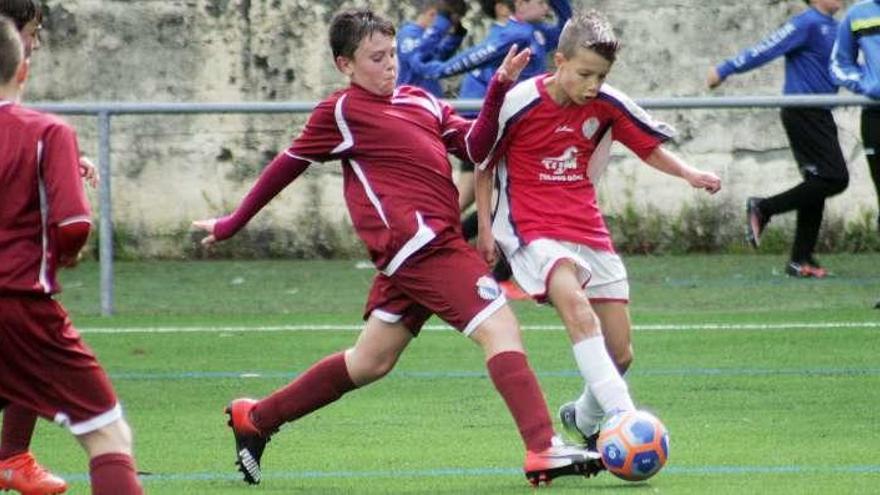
point(812, 133)
point(871, 130)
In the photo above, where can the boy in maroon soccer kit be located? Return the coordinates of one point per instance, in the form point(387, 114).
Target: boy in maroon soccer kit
point(398, 186)
point(44, 222)
point(19, 469)
point(556, 133)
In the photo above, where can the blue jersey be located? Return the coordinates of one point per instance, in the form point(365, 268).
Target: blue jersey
point(859, 31)
point(483, 59)
point(417, 45)
point(474, 83)
point(806, 41)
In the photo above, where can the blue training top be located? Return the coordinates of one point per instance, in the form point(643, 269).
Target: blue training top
point(859, 31)
point(483, 59)
point(417, 45)
point(806, 41)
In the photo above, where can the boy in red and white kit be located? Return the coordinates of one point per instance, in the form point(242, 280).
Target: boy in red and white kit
point(44, 223)
point(393, 145)
point(556, 133)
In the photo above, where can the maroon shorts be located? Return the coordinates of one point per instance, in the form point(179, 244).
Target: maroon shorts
point(447, 278)
point(46, 367)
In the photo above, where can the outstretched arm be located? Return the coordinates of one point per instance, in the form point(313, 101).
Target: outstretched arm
point(473, 141)
point(667, 162)
point(484, 178)
point(480, 55)
point(562, 9)
point(278, 174)
point(785, 39)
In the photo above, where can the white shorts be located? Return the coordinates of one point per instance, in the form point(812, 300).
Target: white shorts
point(601, 272)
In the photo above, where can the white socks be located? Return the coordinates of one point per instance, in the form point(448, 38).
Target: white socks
point(605, 390)
point(588, 413)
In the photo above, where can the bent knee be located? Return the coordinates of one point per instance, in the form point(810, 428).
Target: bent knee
point(113, 438)
point(623, 360)
point(833, 187)
point(365, 369)
point(381, 367)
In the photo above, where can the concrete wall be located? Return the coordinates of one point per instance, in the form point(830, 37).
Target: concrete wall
point(170, 169)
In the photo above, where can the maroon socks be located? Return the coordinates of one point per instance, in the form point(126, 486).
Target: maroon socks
point(114, 474)
point(516, 382)
point(323, 383)
point(18, 428)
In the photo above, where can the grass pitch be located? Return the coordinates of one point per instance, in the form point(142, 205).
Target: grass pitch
point(767, 384)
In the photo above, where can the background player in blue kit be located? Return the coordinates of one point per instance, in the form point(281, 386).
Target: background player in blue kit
point(434, 35)
point(806, 41)
point(857, 34)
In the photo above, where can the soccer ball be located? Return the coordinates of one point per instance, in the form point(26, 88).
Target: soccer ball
point(634, 445)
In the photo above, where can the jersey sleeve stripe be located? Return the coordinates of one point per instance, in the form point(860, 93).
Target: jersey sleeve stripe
point(637, 114)
point(519, 100)
point(347, 137)
point(44, 223)
point(298, 157)
point(76, 219)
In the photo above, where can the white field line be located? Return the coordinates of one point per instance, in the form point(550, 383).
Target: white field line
point(528, 328)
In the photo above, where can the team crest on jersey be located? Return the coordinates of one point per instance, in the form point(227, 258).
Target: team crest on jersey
point(591, 125)
point(559, 164)
point(487, 288)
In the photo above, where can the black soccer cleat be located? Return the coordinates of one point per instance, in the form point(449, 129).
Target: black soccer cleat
point(249, 441)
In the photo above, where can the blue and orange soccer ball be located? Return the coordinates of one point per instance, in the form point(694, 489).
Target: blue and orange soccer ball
point(634, 445)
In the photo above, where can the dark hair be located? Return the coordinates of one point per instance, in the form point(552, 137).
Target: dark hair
point(349, 27)
point(457, 7)
point(11, 49)
point(488, 6)
point(21, 12)
point(589, 30)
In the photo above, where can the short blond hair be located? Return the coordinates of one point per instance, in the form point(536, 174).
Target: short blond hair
point(590, 30)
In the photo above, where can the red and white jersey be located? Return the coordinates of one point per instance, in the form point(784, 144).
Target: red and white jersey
point(397, 177)
point(40, 190)
point(549, 156)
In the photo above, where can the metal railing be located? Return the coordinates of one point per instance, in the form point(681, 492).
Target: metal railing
point(104, 112)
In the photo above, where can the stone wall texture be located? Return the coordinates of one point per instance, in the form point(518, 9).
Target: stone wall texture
point(170, 169)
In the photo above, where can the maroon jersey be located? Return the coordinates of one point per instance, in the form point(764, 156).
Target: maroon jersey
point(548, 156)
point(41, 190)
point(397, 177)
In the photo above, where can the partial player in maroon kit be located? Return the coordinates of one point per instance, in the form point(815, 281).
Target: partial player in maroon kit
point(398, 187)
point(44, 365)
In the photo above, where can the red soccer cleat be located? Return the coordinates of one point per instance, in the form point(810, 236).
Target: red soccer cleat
point(805, 270)
point(22, 474)
point(561, 460)
point(249, 441)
